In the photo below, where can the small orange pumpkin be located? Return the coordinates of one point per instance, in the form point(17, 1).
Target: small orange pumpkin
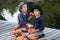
point(20, 38)
point(18, 31)
point(14, 32)
point(34, 38)
point(30, 30)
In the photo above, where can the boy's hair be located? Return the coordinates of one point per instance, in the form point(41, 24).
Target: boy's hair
point(21, 4)
point(37, 7)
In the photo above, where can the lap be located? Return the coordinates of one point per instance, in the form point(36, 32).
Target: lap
point(35, 34)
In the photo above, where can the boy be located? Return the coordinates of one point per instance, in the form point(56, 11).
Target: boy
point(38, 22)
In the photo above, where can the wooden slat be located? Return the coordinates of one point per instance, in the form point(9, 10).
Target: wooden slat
point(7, 27)
point(57, 36)
point(6, 32)
point(7, 35)
point(52, 33)
point(2, 22)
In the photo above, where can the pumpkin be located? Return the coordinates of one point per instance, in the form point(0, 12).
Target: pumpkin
point(20, 38)
point(25, 37)
point(14, 32)
point(18, 31)
point(34, 38)
point(30, 30)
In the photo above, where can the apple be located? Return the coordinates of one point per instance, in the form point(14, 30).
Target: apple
point(31, 14)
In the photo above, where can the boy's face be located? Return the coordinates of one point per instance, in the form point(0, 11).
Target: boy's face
point(24, 8)
point(36, 12)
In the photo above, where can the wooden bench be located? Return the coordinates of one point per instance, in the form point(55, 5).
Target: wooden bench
point(6, 29)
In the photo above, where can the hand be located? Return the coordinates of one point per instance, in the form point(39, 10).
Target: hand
point(27, 24)
point(33, 31)
point(23, 29)
point(29, 18)
point(30, 26)
point(37, 30)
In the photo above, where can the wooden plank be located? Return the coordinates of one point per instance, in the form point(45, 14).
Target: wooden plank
point(2, 33)
point(46, 29)
point(57, 36)
point(9, 36)
point(2, 22)
point(51, 33)
point(5, 24)
point(7, 27)
point(5, 34)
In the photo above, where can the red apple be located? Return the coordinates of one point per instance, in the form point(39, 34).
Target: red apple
point(31, 13)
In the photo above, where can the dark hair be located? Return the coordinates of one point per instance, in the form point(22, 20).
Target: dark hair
point(37, 7)
point(21, 6)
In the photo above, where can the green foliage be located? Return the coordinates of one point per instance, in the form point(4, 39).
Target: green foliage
point(10, 4)
point(51, 9)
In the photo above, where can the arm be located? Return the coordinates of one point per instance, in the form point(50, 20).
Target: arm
point(21, 21)
point(42, 24)
point(31, 15)
point(29, 18)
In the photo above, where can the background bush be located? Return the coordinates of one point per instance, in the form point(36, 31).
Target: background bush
point(51, 9)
